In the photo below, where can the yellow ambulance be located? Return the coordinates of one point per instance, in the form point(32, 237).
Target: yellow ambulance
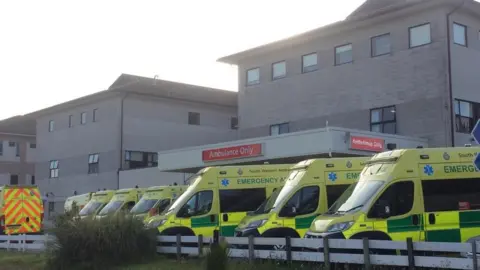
point(218, 198)
point(98, 201)
point(79, 200)
point(21, 210)
point(122, 202)
point(312, 186)
point(423, 194)
point(156, 200)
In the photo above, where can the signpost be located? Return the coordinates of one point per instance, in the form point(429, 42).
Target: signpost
point(476, 137)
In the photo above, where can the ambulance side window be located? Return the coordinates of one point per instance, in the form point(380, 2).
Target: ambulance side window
point(399, 198)
point(334, 192)
point(199, 204)
point(241, 200)
point(451, 194)
point(304, 201)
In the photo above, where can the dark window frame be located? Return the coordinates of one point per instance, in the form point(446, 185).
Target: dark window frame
point(371, 211)
point(475, 107)
point(287, 124)
point(247, 82)
point(234, 122)
point(149, 160)
point(194, 118)
point(93, 163)
point(1, 148)
point(51, 125)
point(94, 115)
point(273, 69)
point(245, 205)
point(33, 145)
point(82, 120)
point(301, 199)
point(196, 214)
point(410, 35)
point(12, 144)
point(466, 34)
point(70, 121)
point(432, 205)
point(382, 123)
point(372, 39)
point(335, 54)
point(12, 177)
point(32, 180)
point(306, 69)
point(53, 169)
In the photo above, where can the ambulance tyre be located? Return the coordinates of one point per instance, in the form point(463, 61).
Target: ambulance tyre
point(279, 233)
point(375, 235)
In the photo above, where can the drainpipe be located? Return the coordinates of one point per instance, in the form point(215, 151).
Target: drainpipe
point(450, 87)
point(120, 165)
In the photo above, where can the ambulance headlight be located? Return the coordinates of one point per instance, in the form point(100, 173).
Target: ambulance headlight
point(256, 224)
point(340, 227)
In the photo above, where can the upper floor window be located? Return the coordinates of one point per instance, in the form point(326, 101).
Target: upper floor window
point(83, 118)
point(383, 120)
point(51, 126)
point(381, 45)
point(309, 62)
point(279, 129)
point(420, 35)
point(193, 118)
point(13, 179)
point(279, 70)
point(343, 54)
point(32, 180)
point(33, 145)
point(12, 144)
point(234, 123)
point(253, 76)
point(466, 115)
point(93, 163)
point(1, 148)
point(54, 169)
point(70, 121)
point(17, 149)
point(138, 159)
point(460, 34)
point(94, 115)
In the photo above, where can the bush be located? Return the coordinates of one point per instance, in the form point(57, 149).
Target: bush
point(217, 257)
point(100, 244)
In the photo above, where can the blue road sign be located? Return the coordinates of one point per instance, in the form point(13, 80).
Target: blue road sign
point(476, 161)
point(476, 132)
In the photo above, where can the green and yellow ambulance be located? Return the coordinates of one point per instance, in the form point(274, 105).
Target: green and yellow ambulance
point(423, 194)
point(218, 198)
point(97, 202)
point(79, 201)
point(122, 202)
point(312, 186)
point(156, 200)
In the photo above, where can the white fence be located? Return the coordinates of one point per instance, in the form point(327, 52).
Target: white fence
point(327, 251)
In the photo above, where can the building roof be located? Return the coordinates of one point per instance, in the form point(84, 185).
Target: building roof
point(133, 84)
point(367, 11)
point(18, 125)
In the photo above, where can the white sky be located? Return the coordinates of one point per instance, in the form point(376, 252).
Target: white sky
point(52, 51)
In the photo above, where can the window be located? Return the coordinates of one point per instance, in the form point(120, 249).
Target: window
point(460, 34)
point(1, 148)
point(51, 126)
point(451, 195)
point(83, 118)
point(199, 204)
point(279, 129)
point(253, 76)
point(32, 180)
point(33, 145)
point(93, 163)
point(309, 62)
point(398, 197)
point(12, 144)
point(54, 169)
point(94, 115)
point(466, 115)
point(70, 121)
point(234, 123)
point(279, 70)
point(420, 35)
point(304, 201)
point(13, 179)
point(381, 45)
point(343, 54)
point(137, 159)
point(233, 200)
point(17, 149)
point(194, 118)
point(334, 192)
point(383, 120)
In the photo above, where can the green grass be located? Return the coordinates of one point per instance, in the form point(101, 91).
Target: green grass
point(21, 261)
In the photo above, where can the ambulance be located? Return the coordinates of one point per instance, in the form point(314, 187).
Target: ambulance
point(79, 200)
point(312, 186)
point(423, 194)
point(97, 202)
point(21, 210)
point(156, 200)
point(218, 199)
point(122, 202)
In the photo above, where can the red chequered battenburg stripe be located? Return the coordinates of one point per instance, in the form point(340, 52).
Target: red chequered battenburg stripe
point(22, 205)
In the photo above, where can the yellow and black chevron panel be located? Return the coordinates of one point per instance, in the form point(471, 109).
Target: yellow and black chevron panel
point(22, 211)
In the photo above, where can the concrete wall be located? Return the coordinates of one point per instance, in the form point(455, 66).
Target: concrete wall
point(149, 177)
point(412, 79)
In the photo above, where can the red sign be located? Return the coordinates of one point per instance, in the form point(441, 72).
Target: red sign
point(234, 152)
point(366, 144)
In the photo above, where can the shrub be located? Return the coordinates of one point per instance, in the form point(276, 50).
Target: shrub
point(217, 257)
point(100, 244)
